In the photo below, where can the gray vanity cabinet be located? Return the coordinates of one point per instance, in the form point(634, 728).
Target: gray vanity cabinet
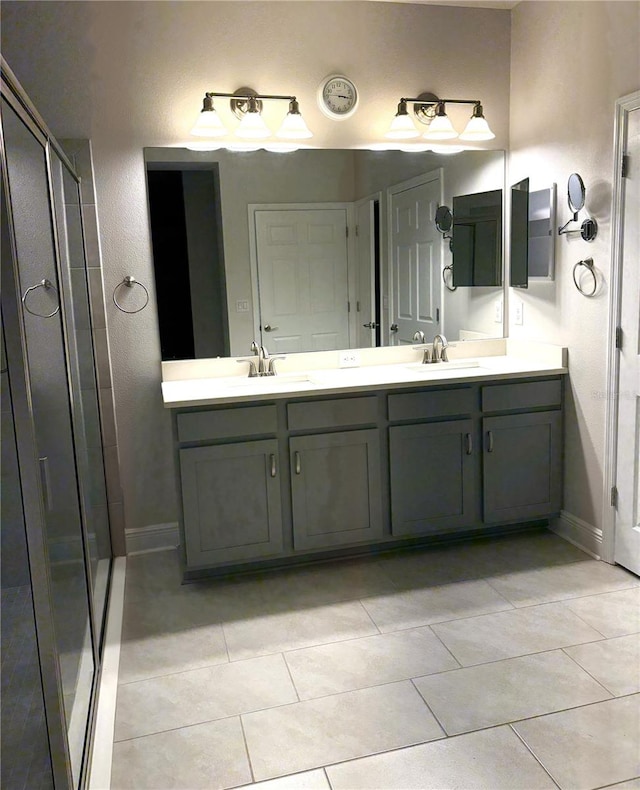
point(231, 502)
point(522, 466)
point(335, 489)
point(433, 477)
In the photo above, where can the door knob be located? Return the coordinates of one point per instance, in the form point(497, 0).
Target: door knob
point(371, 325)
point(393, 328)
point(269, 328)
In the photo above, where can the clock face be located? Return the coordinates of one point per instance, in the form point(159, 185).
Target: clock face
point(337, 97)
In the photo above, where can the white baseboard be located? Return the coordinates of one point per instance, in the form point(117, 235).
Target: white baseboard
point(583, 535)
point(155, 537)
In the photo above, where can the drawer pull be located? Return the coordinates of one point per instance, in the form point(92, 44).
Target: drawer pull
point(297, 462)
point(274, 470)
point(490, 441)
point(469, 443)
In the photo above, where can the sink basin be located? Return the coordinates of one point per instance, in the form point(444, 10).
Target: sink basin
point(456, 364)
point(262, 382)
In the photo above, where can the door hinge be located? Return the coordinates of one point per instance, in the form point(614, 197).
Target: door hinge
point(618, 337)
point(357, 307)
point(437, 315)
point(624, 169)
point(348, 307)
point(346, 231)
point(614, 496)
point(357, 230)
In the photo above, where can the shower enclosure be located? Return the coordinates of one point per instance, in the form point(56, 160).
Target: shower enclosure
point(56, 549)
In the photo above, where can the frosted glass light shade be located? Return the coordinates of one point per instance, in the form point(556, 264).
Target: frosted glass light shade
point(440, 128)
point(477, 129)
point(208, 124)
point(402, 128)
point(293, 127)
point(252, 127)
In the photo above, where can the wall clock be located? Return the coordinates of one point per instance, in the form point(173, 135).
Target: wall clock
point(337, 97)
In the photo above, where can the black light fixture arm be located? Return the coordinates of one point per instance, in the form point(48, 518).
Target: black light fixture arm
point(475, 102)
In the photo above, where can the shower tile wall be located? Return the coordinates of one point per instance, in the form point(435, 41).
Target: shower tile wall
point(79, 153)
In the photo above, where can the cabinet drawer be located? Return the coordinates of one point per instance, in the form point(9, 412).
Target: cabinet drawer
point(331, 413)
point(226, 423)
point(441, 403)
point(525, 395)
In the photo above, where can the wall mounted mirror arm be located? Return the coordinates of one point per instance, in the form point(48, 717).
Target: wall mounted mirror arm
point(576, 194)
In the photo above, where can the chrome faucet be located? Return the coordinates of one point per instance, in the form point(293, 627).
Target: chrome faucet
point(264, 366)
point(440, 346)
point(419, 338)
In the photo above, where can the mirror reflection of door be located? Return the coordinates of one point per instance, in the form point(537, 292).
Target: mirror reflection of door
point(415, 258)
point(301, 259)
point(367, 245)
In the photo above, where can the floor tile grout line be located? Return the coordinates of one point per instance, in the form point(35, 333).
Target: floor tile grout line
point(326, 776)
point(431, 711)
point(584, 669)
point(293, 683)
point(446, 647)
point(246, 748)
point(534, 755)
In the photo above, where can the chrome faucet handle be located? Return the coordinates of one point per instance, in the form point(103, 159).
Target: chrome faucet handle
point(252, 366)
point(271, 370)
point(426, 356)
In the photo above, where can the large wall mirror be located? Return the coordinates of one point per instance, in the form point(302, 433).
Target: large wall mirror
point(312, 250)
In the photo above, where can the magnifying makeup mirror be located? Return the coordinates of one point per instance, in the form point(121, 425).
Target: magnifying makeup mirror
point(444, 223)
point(576, 194)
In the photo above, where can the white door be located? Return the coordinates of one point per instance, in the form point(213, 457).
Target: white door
point(415, 259)
point(302, 279)
point(627, 517)
point(365, 244)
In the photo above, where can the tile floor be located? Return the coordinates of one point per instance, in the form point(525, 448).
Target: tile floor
point(511, 662)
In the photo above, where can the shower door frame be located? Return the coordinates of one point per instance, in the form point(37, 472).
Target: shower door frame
point(27, 450)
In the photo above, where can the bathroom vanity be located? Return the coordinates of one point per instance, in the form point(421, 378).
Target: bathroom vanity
point(324, 461)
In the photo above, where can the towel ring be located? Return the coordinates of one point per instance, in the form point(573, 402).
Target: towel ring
point(588, 264)
point(46, 284)
point(129, 282)
point(444, 278)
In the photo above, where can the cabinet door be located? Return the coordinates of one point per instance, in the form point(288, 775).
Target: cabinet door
point(432, 477)
point(335, 487)
point(231, 502)
point(522, 466)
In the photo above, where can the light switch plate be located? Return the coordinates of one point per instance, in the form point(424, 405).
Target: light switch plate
point(518, 310)
point(497, 316)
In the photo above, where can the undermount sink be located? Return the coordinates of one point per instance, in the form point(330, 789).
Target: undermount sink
point(266, 382)
point(443, 367)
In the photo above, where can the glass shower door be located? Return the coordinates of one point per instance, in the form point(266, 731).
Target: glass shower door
point(49, 373)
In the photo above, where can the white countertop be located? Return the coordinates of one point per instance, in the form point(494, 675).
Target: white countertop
point(196, 383)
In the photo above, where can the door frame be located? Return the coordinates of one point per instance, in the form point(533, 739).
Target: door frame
point(252, 208)
point(403, 186)
point(370, 200)
point(623, 107)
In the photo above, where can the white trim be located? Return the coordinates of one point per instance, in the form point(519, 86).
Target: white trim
point(582, 534)
point(102, 749)
point(154, 537)
point(623, 107)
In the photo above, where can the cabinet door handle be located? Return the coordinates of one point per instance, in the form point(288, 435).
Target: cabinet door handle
point(490, 441)
point(274, 471)
point(296, 456)
point(469, 443)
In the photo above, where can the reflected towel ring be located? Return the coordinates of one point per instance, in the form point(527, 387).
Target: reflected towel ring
point(588, 264)
point(46, 284)
point(129, 282)
point(444, 278)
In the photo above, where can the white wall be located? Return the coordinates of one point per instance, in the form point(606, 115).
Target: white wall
point(570, 61)
point(132, 74)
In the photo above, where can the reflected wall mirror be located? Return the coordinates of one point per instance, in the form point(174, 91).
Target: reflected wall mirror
point(312, 250)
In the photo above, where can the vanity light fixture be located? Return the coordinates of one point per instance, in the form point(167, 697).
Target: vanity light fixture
point(246, 104)
point(431, 111)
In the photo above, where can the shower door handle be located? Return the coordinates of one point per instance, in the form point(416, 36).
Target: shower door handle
point(45, 479)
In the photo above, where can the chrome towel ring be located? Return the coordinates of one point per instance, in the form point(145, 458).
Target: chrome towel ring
point(46, 284)
point(129, 282)
point(452, 287)
point(588, 265)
